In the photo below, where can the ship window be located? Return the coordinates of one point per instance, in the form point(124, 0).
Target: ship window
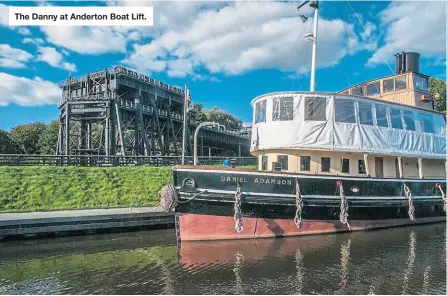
point(381, 115)
point(344, 111)
point(284, 160)
point(388, 85)
point(358, 91)
point(365, 113)
point(396, 120)
point(373, 89)
point(426, 122)
point(409, 120)
point(401, 82)
point(325, 164)
point(345, 165)
point(362, 168)
point(305, 163)
point(282, 109)
point(264, 162)
point(420, 82)
point(260, 111)
point(315, 109)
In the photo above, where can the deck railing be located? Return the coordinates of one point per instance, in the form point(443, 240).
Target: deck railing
point(115, 160)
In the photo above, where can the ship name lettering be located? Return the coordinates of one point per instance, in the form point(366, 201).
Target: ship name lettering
point(273, 181)
point(233, 179)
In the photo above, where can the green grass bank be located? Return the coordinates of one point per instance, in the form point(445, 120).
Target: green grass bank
point(41, 188)
point(60, 188)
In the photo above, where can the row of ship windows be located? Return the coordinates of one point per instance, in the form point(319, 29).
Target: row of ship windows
point(389, 85)
point(315, 110)
point(282, 163)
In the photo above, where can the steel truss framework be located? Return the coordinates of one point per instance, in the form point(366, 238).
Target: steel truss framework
point(120, 112)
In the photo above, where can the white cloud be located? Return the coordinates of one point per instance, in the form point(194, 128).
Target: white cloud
point(4, 15)
point(412, 26)
point(54, 58)
point(241, 37)
point(27, 92)
point(36, 41)
point(24, 31)
point(86, 40)
point(13, 57)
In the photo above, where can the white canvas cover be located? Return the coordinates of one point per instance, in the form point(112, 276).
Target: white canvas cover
point(329, 134)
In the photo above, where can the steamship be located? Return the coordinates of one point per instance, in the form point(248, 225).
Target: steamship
point(370, 156)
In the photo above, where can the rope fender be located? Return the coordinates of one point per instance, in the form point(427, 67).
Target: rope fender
point(438, 186)
point(299, 206)
point(237, 210)
point(343, 205)
point(410, 202)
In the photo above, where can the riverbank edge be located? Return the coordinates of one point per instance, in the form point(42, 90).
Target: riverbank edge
point(82, 222)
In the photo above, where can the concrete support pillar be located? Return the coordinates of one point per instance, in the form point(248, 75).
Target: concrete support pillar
point(209, 151)
point(365, 159)
point(239, 152)
point(107, 131)
point(421, 170)
point(401, 169)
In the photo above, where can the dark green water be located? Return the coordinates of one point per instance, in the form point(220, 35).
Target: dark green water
point(409, 260)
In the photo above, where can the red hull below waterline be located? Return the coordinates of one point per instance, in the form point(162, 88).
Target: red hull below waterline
point(195, 227)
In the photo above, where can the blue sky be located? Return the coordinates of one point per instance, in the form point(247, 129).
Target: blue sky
point(227, 52)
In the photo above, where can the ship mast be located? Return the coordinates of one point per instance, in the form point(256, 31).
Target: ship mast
point(312, 37)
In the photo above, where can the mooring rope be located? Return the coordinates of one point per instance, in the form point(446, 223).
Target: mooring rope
point(410, 202)
point(343, 205)
point(169, 198)
point(299, 205)
point(237, 209)
point(438, 186)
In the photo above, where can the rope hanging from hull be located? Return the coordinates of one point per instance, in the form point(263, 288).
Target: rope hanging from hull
point(438, 186)
point(410, 202)
point(168, 198)
point(237, 210)
point(299, 206)
point(343, 205)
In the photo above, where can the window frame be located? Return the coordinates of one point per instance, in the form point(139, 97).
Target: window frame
point(260, 103)
point(342, 166)
point(281, 116)
point(412, 118)
point(283, 156)
point(301, 163)
point(329, 164)
point(394, 85)
point(357, 88)
point(313, 109)
point(385, 107)
point(417, 77)
point(370, 110)
point(371, 84)
point(354, 109)
point(266, 157)
point(400, 118)
point(361, 162)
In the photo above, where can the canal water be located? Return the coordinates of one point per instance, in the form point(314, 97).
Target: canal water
point(410, 260)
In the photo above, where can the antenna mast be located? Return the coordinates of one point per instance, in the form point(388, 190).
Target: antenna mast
point(312, 37)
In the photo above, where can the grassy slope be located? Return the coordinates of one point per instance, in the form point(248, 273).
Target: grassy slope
point(56, 188)
point(42, 188)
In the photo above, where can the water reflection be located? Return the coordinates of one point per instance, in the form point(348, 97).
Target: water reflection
point(407, 260)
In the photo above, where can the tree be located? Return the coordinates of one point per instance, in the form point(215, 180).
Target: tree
point(224, 118)
point(6, 145)
point(26, 137)
point(48, 139)
point(437, 88)
point(196, 114)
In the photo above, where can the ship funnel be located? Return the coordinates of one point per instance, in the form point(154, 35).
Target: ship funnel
point(407, 62)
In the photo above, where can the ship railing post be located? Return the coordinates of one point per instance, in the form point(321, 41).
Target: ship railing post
point(401, 170)
point(421, 171)
point(365, 159)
